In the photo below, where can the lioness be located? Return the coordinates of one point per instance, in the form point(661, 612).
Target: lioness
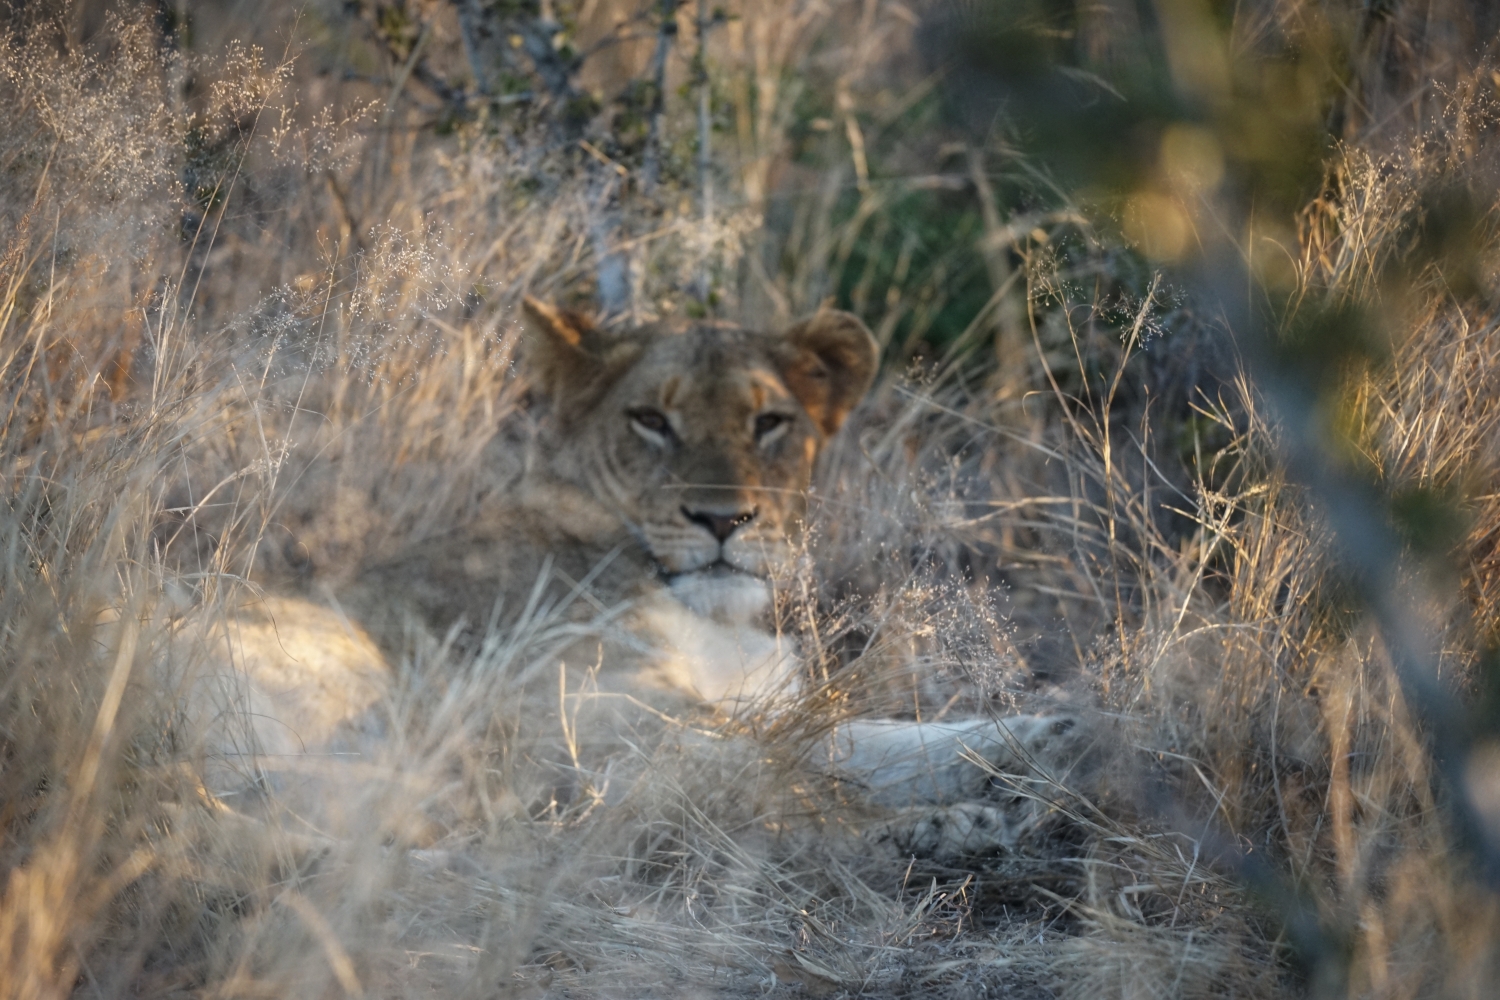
point(666, 493)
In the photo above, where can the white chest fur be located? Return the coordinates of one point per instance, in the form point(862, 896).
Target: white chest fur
point(705, 628)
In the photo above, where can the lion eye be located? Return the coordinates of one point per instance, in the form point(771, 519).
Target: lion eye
point(651, 420)
point(768, 422)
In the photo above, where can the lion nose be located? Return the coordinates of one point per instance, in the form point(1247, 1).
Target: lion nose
point(719, 524)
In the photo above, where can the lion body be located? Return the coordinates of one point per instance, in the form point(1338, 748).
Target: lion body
point(658, 516)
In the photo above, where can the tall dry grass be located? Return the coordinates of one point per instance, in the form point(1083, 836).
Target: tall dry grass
point(250, 344)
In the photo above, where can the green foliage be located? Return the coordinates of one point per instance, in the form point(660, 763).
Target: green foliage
point(1325, 341)
point(630, 120)
point(211, 155)
point(399, 28)
point(919, 254)
point(1451, 230)
point(1430, 518)
point(1104, 125)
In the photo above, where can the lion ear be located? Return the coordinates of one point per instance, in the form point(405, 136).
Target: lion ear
point(828, 362)
point(560, 347)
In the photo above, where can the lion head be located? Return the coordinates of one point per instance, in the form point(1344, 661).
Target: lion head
point(700, 436)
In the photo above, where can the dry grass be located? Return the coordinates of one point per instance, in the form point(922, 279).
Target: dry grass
point(249, 344)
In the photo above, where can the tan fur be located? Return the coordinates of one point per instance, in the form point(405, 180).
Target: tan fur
point(603, 491)
point(664, 497)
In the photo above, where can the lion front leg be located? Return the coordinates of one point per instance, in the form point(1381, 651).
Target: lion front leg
point(899, 763)
point(959, 789)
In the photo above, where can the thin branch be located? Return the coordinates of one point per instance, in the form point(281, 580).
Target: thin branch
point(651, 159)
point(705, 151)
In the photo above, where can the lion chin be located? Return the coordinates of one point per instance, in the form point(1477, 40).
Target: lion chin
point(723, 594)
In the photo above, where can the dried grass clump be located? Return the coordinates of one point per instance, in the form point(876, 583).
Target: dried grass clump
point(1250, 672)
point(249, 343)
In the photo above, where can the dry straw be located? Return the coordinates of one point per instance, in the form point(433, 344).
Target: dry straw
point(248, 344)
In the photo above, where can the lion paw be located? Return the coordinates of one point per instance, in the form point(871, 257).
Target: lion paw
point(944, 833)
